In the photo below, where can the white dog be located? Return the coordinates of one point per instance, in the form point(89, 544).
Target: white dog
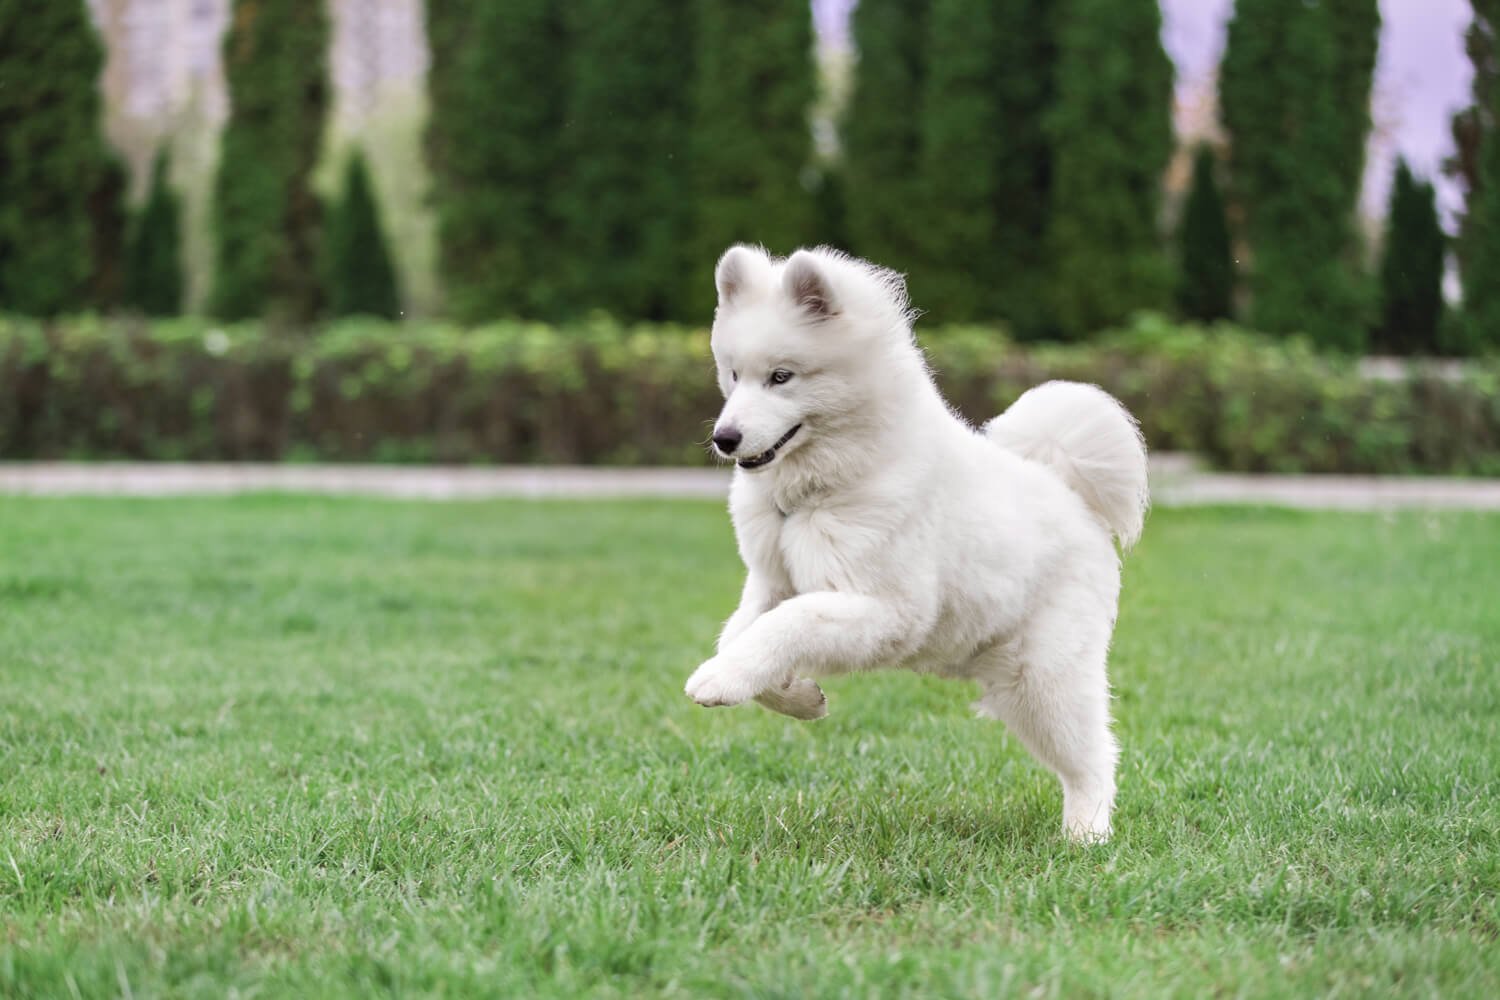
point(880, 530)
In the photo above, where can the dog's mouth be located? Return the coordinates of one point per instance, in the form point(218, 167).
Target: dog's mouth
point(769, 455)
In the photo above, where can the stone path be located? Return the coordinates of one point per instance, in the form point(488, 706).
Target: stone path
point(1176, 482)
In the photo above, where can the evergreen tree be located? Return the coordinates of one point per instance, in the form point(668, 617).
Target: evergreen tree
point(1205, 289)
point(1354, 29)
point(449, 24)
point(1289, 101)
point(831, 210)
point(963, 142)
point(361, 279)
point(751, 141)
point(494, 144)
point(882, 133)
point(266, 217)
point(1112, 136)
point(986, 164)
point(153, 282)
point(1411, 269)
point(1471, 124)
point(53, 158)
point(1480, 327)
point(1026, 90)
point(108, 223)
point(628, 109)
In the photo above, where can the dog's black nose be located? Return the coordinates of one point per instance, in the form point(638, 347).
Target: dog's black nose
point(727, 440)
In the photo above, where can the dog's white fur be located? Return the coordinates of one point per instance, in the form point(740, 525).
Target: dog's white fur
point(887, 532)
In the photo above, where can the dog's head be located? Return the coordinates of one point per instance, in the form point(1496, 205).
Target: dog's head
point(795, 341)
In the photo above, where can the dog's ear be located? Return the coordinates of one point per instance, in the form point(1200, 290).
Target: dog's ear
point(808, 286)
point(734, 271)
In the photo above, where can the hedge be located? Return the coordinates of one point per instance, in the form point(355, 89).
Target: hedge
point(599, 392)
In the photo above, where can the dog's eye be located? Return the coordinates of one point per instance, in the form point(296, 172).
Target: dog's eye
point(780, 377)
point(734, 376)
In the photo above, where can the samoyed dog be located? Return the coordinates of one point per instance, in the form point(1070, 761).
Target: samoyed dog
point(878, 529)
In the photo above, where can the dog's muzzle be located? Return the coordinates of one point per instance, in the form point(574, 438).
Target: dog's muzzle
point(769, 455)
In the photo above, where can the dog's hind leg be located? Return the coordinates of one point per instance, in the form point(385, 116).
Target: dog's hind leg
point(1054, 696)
point(800, 698)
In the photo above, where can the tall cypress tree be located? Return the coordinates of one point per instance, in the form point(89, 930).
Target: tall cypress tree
point(1291, 104)
point(153, 274)
point(963, 142)
point(1025, 89)
point(1354, 29)
point(1205, 289)
point(1480, 328)
point(266, 218)
point(1112, 136)
point(495, 146)
point(53, 157)
point(361, 279)
point(1411, 269)
point(986, 161)
point(622, 202)
point(449, 25)
point(1470, 125)
point(751, 141)
point(1477, 165)
point(882, 134)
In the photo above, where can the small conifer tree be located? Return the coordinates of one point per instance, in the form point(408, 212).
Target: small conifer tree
point(1205, 289)
point(361, 278)
point(1411, 269)
point(153, 282)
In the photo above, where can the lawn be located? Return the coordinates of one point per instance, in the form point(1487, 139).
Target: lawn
point(314, 747)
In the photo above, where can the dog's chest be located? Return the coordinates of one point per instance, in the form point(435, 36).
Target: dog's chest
point(816, 550)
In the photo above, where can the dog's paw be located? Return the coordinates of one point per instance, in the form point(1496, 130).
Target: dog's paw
point(800, 699)
point(719, 682)
point(1087, 833)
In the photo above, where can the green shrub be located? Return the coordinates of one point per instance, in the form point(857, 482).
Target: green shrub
point(598, 391)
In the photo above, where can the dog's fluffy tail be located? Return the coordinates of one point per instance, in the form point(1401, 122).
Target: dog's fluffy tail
point(1089, 439)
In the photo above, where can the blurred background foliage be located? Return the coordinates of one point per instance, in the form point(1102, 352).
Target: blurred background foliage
point(582, 165)
point(598, 390)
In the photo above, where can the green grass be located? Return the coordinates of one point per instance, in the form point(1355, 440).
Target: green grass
point(284, 746)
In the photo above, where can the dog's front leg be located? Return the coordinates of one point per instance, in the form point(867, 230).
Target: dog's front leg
point(797, 697)
point(755, 600)
point(811, 634)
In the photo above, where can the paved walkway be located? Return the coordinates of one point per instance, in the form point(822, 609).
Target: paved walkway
point(1175, 482)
